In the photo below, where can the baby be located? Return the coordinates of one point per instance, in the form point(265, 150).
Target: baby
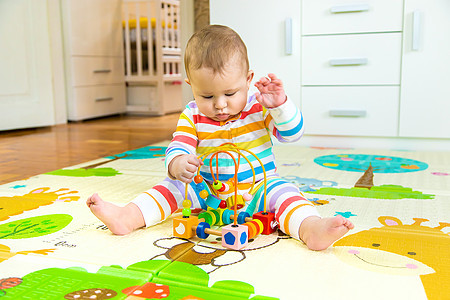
point(218, 72)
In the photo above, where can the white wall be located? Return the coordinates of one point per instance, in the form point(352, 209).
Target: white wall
point(187, 29)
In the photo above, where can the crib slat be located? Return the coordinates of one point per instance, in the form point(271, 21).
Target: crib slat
point(127, 40)
point(138, 39)
point(150, 41)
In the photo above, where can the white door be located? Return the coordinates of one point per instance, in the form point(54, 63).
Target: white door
point(26, 95)
point(425, 85)
point(271, 31)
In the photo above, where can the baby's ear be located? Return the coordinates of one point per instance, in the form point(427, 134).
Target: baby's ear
point(187, 81)
point(250, 75)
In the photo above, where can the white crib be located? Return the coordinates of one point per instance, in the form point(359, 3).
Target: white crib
point(152, 56)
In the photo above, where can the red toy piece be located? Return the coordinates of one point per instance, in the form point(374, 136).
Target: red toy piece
point(268, 220)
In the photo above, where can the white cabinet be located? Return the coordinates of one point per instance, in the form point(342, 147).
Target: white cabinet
point(425, 84)
point(95, 81)
point(351, 57)
point(271, 31)
point(360, 74)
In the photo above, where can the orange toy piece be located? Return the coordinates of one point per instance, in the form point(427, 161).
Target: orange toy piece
point(182, 227)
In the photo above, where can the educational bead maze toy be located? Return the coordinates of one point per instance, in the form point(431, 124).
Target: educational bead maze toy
point(239, 227)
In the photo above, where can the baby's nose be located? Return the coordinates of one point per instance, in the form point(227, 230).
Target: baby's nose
point(221, 103)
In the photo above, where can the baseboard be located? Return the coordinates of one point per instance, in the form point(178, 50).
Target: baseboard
point(409, 144)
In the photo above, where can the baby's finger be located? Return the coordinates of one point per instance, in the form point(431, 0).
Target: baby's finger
point(186, 178)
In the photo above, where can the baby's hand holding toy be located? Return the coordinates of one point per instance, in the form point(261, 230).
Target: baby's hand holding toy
point(184, 167)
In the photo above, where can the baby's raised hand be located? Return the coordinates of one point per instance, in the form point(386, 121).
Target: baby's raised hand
point(184, 167)
point(271, 92)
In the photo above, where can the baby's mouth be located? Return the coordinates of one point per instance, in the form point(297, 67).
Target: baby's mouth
point(222, 117)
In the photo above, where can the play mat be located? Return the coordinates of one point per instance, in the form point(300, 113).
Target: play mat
point(52, 247)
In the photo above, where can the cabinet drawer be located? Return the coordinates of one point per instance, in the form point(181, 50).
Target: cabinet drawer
point(96, 101)
point(97, 70)
point(351, 16)
point(351, 59)
point(360, 111)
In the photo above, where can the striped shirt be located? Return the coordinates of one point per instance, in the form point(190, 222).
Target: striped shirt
point(251, 130)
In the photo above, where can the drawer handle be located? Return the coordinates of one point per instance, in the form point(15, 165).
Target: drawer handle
point(348, 61)
point(416, 23)
point(104, 99)
point(348, 113)
point(288, 36)
point(102, 71)
point(349, 8)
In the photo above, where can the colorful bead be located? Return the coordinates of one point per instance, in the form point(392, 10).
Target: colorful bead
point(223, 188)
point(247, 197)
point(200, 230)
point(198, 179)
point(186, 212)
point(242, 216)
point(216, 215)
point(206, 217)
point(259, 226)
point(217, 185)
point(187, 203)
point(252, 230)
point(223, 204)
point(203, 194)
point(226, 216)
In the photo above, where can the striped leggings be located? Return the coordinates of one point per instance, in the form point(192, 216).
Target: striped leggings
point(283, 198)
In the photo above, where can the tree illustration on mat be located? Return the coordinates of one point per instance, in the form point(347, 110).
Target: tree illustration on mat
point(34, 226)
point(94, 170)
point(361, 162)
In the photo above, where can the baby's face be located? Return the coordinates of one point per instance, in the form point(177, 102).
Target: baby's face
point(221, 96)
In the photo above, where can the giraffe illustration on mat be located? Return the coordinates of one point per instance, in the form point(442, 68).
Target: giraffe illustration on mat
point(427, 245)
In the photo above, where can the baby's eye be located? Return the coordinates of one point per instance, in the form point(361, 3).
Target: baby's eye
point(230, 94)
point(207, 97)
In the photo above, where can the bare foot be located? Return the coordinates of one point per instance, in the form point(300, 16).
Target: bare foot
point(120, 220)
point(319, 233)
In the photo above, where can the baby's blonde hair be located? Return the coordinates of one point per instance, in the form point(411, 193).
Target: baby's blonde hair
point(213, 47)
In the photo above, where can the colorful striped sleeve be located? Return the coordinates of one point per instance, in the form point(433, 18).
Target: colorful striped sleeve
point(285, 122)
point(185, 138)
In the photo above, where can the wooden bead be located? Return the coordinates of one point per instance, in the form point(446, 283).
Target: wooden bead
point(247, 197)
point(186, 212)
point(206, 216)
point(223, 204)
point(187, 203)
point(251, 229)
point(226, 216)
point(259, 226)
point(200, 231)
point(216, 215)
point(217, 185)
point(198, 179)
point(203, 194)
point(242, 216)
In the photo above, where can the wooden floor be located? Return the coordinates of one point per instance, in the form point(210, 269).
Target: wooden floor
point(28, 152)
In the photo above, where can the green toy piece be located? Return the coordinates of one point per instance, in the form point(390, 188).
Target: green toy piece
point(153, 279)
